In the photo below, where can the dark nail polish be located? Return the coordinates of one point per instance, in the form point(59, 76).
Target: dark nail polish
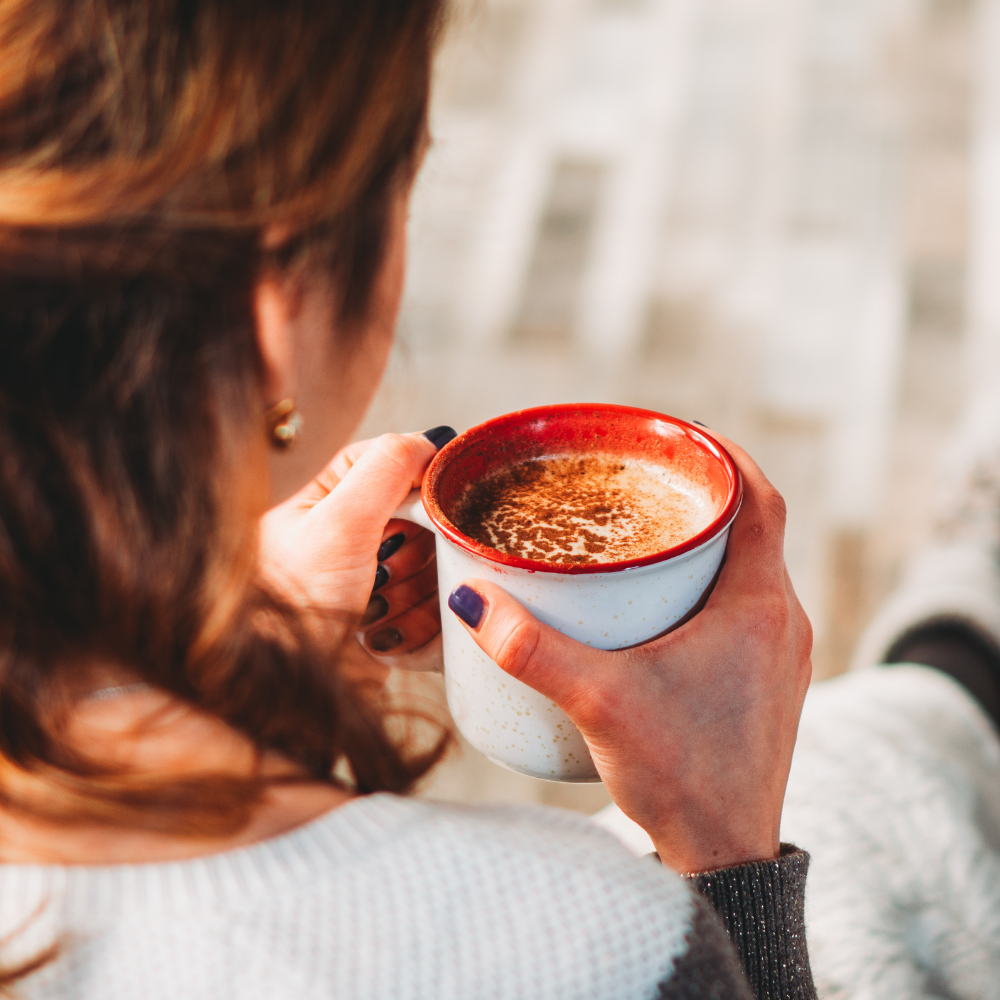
point(378, 607)
point(381, 577)
point(440, 436)
point(390, 546)
point(700, 424)
point(467, 604)
point(385, 640)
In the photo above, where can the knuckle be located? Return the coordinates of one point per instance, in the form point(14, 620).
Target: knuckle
point(339, 468)
point(770, 621)
point(805, 636)
point(518, 648)
point(773, 505)
point(393, 444)
point(398, 451)
point(805, 672)
point(600, 705)
point(784, 633)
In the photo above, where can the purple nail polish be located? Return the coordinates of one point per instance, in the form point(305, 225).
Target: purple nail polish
point(440, 436)
point(381, 578)
point(386, 640)
point(467, 604)
point(378, 607)
point(390, 546)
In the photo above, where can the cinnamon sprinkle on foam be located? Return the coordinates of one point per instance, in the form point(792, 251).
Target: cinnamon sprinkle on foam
point(574, 510)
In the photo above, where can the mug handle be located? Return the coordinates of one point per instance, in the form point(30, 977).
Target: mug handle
point(412, 509)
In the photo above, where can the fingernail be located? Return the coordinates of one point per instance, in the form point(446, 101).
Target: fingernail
point(385, 639)
point(381, 577)
point(440, 436)
point(700, 424)
point(467, 604)
point(390, 546)
point(378, 607)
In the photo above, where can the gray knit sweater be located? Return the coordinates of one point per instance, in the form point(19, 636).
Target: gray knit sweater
point(392, 897)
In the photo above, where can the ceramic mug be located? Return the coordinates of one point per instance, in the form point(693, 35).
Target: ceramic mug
point(605, 605)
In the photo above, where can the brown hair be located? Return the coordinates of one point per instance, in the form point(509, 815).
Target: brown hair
point(146, 146)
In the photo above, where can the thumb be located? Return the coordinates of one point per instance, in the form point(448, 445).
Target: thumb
point(548, 661)
point(375, 485)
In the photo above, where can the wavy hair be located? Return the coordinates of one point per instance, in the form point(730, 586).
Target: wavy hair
point(146, 147)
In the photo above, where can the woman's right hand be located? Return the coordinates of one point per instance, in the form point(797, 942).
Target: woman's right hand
point(692, 733)
point(335, 546)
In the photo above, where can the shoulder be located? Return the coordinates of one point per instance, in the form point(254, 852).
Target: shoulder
point(516, 841)
point(386, 896)
point(523, 839)
point(539, 896)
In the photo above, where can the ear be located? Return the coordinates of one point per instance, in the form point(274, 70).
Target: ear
point(275, 310)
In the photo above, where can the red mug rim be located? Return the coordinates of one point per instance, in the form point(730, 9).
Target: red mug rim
point(432, 480)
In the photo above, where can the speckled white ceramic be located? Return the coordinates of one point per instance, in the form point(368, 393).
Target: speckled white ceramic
point(510, 722)
point(503, 718)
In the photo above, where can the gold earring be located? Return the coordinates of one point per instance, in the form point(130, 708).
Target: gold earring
point(284, 423)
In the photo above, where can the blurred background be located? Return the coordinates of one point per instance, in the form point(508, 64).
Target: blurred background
point(778, 217)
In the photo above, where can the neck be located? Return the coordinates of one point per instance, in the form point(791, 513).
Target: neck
point(148, 733)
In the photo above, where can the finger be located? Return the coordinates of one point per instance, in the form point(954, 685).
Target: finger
point(755, 551)
point(548, 661)
point(390, 601)
point(346, 457)
point(349, 454)
point(374, 486)
point(404, 551)
point(407, 632)
point(428, 658)
point(804, 631)
point(330, 476)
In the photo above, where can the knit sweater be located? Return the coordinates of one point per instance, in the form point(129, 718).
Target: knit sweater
point(895, 791)
point(393, 897)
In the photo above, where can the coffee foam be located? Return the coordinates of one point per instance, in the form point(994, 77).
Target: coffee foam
point(584, 509)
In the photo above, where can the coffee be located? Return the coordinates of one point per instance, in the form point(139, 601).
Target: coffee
point(584, 509)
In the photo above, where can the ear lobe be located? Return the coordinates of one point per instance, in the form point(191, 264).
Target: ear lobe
point(274, 313)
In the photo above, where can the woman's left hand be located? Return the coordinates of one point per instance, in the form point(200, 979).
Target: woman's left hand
point(693, 732)
point(334, 545)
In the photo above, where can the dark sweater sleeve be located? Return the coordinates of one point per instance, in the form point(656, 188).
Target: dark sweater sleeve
point(762, 909)
point(708, 969)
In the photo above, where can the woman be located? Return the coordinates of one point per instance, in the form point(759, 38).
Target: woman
point(202, 215)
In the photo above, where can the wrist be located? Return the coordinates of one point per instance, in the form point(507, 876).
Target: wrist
point(710, 853)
